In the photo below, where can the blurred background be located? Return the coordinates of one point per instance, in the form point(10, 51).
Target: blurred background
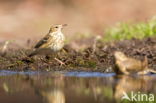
point(22, 20)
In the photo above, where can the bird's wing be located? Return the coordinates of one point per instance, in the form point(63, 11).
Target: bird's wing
point(43, 43)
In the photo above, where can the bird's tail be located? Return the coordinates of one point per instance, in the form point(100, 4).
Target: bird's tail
point(32, 53)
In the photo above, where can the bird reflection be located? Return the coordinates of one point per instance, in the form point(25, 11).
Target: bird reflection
point(51, 91)
point(61, 89)
point(127, 84)
point(54, 96)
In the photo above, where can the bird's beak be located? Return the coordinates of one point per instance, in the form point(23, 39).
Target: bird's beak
point(64, 25)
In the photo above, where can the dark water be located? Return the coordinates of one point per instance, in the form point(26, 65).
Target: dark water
point(71, 87)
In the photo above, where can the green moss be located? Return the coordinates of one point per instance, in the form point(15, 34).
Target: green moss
point(124, 31)
point(19, 62)
point(85, 63)
point(91, 64)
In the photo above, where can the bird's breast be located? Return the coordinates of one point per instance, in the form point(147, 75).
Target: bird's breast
point(58, 42)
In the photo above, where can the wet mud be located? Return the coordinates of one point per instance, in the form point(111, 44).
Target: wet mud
point(94, 58)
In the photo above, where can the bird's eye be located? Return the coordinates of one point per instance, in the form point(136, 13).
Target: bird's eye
point(56, 27)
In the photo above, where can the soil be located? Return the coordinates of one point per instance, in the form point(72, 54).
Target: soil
point(98, 59)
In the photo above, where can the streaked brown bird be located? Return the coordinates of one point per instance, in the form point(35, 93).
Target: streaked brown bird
point(127, 65)
point(51, 43)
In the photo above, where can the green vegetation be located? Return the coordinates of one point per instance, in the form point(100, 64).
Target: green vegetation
point(128, 31)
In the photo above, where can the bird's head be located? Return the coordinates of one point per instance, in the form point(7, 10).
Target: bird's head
point(55, 28)
point(120, 56)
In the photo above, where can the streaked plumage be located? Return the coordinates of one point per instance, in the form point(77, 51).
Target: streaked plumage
point(52, 42)
point(127, 65)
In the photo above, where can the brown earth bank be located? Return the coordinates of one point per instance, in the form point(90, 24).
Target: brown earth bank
point(98, 59)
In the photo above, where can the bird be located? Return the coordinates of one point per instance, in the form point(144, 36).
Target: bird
point(51, 43)
point(127, 65)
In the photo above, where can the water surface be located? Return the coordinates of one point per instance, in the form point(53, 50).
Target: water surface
point(70, 87)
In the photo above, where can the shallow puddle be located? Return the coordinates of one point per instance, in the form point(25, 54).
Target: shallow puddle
point(74, 87)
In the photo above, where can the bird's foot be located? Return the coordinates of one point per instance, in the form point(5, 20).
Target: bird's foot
point(61, 63)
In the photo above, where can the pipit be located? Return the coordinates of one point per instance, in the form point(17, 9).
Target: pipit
point(128, 65)
point(51, 43)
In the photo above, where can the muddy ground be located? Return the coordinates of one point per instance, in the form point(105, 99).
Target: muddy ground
point(90, 59)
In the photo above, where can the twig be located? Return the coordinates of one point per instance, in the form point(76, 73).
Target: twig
point(5, 46)
point(95, 43)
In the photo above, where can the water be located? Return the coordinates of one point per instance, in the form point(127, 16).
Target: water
point(71, 87)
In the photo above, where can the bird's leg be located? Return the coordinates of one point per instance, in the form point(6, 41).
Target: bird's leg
point(62, 63)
